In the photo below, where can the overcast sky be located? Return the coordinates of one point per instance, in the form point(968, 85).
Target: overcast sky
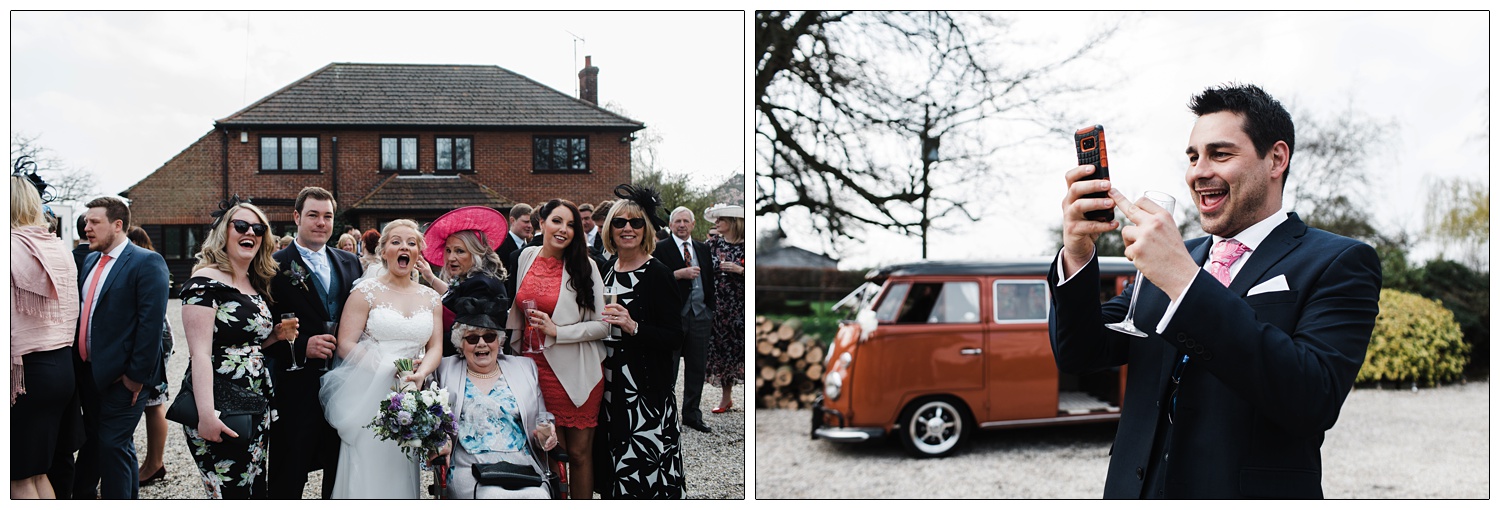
point(120, 93)
point(1428, 72)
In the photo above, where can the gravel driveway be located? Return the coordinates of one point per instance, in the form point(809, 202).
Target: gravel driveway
point(714, 463)
point(1401, 444)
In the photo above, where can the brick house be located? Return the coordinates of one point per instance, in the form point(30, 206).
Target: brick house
point(390, 141)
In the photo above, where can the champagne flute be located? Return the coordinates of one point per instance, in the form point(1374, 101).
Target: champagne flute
point(529, 342)
point(330, 327)
point(612, 297)
point(1127, 326)
point(292, 344)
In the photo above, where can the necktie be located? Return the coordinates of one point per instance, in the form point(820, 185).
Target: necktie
point(687, 255)
point(88, 308)
point(319, 262)
point(1223, 256)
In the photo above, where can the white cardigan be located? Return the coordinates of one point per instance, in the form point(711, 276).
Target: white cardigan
point(576, 354)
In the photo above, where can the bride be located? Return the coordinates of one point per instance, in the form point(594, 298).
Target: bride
point(386, 318)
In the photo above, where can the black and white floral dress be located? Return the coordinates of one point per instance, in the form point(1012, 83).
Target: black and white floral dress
point(241, 323)
point(637, 453)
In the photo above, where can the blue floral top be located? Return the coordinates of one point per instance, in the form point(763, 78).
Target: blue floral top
point(490, 422)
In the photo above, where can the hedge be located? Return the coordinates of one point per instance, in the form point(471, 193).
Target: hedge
point(1415, 340)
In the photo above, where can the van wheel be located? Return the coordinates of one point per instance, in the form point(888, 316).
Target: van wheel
point(933, 428)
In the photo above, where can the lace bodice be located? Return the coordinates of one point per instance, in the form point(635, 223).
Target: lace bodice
point(400, 322)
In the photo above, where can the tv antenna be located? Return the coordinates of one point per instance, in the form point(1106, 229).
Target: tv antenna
point(576, 39)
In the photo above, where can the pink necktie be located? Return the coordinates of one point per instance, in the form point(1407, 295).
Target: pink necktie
point(1223, 256)
point(88, 309)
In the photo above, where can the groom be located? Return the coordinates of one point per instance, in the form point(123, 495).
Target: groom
point(311, 281)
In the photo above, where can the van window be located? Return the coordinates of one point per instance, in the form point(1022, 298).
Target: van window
point(934, 303)
point(1020, 301)
point(891, 303)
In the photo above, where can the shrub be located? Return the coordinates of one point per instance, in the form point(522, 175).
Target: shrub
point(1415, 340)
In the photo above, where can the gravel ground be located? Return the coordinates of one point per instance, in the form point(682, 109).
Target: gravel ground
point(1395, 444)
point(714, 463)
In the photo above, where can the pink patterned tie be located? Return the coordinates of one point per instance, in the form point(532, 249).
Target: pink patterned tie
point(1223, 256)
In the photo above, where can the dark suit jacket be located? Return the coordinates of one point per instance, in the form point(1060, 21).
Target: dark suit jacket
point(128, 319)
point(1267, 375)
point(668, 253)
point(511, 258)
point(505, 249)
point(303, 300)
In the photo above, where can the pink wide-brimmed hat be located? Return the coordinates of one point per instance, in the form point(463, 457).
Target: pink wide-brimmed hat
point(489, 222)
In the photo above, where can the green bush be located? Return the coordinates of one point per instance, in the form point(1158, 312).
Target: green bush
point(1415, 340)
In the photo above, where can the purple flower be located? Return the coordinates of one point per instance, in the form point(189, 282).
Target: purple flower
point(403, 418)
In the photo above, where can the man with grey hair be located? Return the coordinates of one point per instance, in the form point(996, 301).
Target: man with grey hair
point(691, 266)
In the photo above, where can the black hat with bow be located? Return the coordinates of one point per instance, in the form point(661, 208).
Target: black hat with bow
point(648, 199)
point(479, 311)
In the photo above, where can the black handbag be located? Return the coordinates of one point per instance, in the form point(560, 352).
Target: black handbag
point(238, 407)
point(507, 475)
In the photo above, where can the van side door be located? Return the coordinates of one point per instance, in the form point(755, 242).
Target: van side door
point(1022, 376)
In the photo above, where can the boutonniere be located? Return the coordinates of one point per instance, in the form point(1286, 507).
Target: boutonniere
point(298, 275)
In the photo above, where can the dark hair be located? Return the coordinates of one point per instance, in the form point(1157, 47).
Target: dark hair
point(82, 222)
point(603, 210)
point(114, 209)
point(575, 256)
point(138, 236)
point(315, 193)
point(1266, 121)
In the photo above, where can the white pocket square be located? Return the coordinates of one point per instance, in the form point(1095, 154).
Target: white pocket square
point(1273, 285)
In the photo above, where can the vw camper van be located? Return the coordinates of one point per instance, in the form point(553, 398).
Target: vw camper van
point(940, 349)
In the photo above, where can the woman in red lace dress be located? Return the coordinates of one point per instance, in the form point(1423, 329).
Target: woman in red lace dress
point(563, 282)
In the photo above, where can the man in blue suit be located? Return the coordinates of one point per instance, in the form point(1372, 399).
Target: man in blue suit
point(119, 346)
point(1253, 335)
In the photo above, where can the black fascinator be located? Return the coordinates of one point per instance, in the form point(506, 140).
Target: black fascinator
point(647, 198)
point(479, 312)
point(224, 206)
point(26, 168)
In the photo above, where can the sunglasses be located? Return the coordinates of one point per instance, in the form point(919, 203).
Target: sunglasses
point(487, 337)
point(635, 223)
point(243, 226)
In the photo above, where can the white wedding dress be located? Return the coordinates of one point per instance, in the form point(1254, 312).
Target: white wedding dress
point(398, 326)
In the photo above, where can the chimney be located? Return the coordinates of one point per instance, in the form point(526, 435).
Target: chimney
point(588, 81)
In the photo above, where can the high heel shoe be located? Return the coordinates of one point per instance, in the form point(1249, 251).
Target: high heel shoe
point(723, 409)
point(159, 475)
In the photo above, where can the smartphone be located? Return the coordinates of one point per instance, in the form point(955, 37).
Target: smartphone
point(1089, 142)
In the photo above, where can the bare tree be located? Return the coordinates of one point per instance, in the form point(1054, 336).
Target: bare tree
point(1330, 177)
point(879, 119)
point(67, 184)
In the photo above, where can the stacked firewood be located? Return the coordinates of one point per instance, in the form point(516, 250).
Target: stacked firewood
point(788, 365)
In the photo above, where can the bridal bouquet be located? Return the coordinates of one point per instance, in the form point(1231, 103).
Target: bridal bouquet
point(420, 421)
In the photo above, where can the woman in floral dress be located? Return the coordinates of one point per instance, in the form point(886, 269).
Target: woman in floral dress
point(227, 321)
point(726, 348)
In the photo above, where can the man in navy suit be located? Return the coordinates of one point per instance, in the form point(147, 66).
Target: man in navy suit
point(695, 285)
point(1254, 334)
point(123, 312)
point(520, 234)
point(313, 281)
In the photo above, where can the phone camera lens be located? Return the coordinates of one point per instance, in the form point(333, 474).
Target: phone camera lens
point(1088, 144)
